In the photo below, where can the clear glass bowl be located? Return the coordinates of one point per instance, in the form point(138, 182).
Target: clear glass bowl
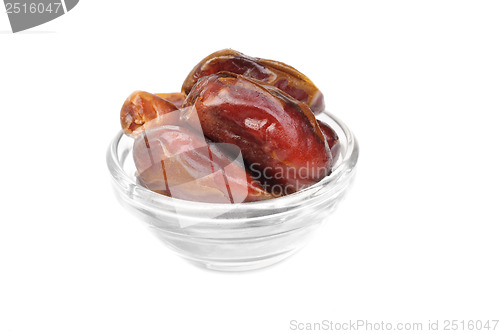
point(235, 237)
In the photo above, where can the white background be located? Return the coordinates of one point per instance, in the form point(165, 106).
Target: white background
point(416, 239)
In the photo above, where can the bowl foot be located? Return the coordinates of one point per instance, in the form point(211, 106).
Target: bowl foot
point(242, 265)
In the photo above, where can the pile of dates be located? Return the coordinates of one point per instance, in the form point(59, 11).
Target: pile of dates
point(242, 129)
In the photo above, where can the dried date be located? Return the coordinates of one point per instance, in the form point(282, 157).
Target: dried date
point(271, 72)
point(140, 108)
point(331, 138)
point(178, 162)
point(279, 137)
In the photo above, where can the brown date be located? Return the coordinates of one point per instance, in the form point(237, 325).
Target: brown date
point(141, 107)
point(177, 99)
point(271, 72)
point(178, 162)
point(278, 136)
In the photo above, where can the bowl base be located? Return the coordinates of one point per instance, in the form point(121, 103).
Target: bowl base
point(242, 265)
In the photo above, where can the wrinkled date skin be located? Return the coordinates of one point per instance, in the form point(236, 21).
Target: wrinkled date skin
point(140, 108)
point(271, 72)
point(178, 162)
point(177, 99)
point(279, 137)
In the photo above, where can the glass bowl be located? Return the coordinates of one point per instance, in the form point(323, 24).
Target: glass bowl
point(235, 237)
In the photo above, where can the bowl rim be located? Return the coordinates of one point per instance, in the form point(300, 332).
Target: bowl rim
point(151, 198)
